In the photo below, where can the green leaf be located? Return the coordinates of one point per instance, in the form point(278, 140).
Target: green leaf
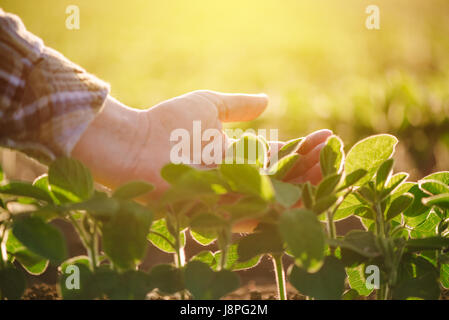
point(172, 172)
point(384, 173)
point(361, 242)
point(167, 278)
point(133, 189)
point(357, 280)
point(84, 260)
point(327, 186)
point(325, 284)
point(332, 156)
point(206, 257)
point(129, 285)
point(290, 147)
point(233, 261)
point(204, 238)
point(308, 195)
point(12, 282)
point(32, 263)
point(286, 194)
point(369, 154)
point(433, 187)
point(349, 205)
point(304, 236)
point(279, 169)
point(431, 243)
point(205, 284)
point(324, 204)
point(132, 285)
point(418, 279)
point(25, 189)
point(416, 208)
point(246, 208)
point(265, 239)
point(248, 149)
point(124, 235)
point(42, 183)
point(442, 176)
point(353, 177)
point(399, 205)
point(100, 207)
point(204, 185)
point(208, 222)
point(160, 226)
point(41, 238)
point(426, 227)
point(367, 193)
point(13, 245)
point(395, 182)
point(70, 179)
point(441, 201)
point(247, 179)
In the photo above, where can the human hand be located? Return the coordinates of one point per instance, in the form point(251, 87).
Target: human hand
point(123, 144)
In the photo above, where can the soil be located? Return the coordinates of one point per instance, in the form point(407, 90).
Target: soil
point(41, 291)
point(250, 291)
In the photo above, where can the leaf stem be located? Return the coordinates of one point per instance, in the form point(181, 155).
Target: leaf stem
point(86, 240)
point(280, 276)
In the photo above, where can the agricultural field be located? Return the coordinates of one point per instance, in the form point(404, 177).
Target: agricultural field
point(381, 209)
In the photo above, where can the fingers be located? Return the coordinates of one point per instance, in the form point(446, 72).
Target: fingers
point(313, 175)
point(305, 162)
point(309, 163)
point(236, 107)
point(314, 139)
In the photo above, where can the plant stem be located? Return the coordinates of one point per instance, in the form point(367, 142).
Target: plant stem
point(380, 221)
point(87, 241)
point(180, 257)
point(223, 240)
point(224, 256)
point(388, 251)
point(387, 292)
point(280, 276)
point(331, 225)
point(3, 252)
point(93, 248)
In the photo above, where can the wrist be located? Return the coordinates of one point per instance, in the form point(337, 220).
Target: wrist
point(104, 145)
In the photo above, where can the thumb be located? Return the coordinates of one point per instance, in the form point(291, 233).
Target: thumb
point(237, 106)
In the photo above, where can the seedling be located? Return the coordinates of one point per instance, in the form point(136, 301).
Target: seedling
point(405, 236)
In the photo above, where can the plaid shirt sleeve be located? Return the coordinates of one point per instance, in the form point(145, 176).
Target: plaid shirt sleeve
point(46, 101)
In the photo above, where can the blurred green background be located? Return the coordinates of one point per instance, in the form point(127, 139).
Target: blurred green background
point(316, 60)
